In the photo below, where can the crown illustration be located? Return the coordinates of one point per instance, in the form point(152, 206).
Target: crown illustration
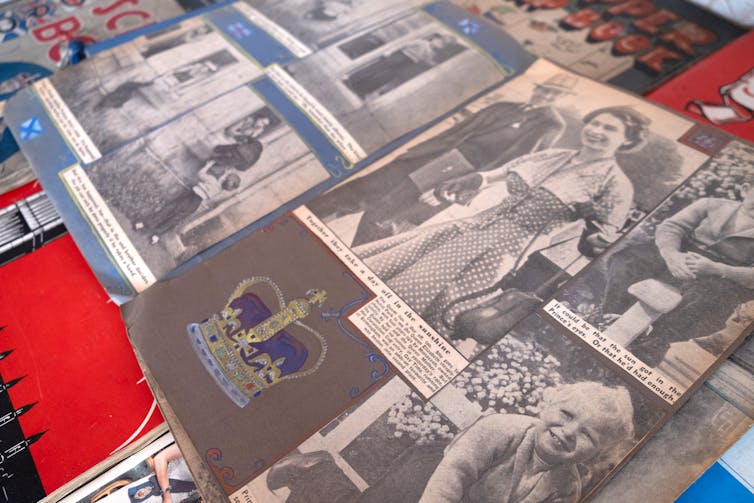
point(247, 348)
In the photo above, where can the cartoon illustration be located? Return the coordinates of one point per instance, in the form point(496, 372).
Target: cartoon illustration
point(737, 102)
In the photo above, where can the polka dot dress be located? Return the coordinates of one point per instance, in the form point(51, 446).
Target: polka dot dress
point(431, 269)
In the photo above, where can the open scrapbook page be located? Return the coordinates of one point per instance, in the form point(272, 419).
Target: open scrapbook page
point(237, 117)
point(506, 276)
point(439, 326)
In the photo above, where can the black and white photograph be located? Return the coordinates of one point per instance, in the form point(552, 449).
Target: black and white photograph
point(319, 23)
point(535, 419)
point(478, 220)
point(204, 176)
point(678, 291)
point(411, 63)
point(123, 93)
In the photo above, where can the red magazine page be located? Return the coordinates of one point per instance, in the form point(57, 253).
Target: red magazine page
point(81, 395)
point(19, 193)
point(718, 90)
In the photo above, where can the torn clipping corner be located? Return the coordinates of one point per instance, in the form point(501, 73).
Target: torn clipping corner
point(417, 351)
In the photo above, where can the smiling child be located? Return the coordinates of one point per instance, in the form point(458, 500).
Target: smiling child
point(507, 458)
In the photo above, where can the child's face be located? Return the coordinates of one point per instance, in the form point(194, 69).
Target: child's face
point(568, 433)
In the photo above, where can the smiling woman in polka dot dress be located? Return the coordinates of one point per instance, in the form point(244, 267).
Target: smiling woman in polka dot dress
point(431, 268)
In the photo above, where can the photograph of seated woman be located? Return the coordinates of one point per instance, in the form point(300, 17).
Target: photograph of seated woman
point(706, 252)
point(509, 458)
point(431, 268)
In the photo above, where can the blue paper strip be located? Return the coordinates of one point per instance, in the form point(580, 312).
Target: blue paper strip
point(328, 155)
point(506, 52)
point(250, 38)
point(50, 151)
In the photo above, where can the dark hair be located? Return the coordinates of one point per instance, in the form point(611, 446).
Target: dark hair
point(637, 125)
point(231, 182)
point(255, 153)
point(320, 14)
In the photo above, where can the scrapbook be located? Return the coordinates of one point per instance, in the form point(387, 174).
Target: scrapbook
point(520, 328)
point(505, 277)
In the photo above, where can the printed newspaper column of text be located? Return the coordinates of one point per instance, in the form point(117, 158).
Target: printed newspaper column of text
point(80, 142)
point(658, 383)
point(320, 116)
point(424, 357)
point(122, 251)
point(297, 48)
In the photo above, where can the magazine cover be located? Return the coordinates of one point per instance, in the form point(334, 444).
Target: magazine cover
point(633, 45)
point(153, 473)
point(718, 90)
point(242, 150)
point(33, 42)
point(479, 387)
point(72, 391)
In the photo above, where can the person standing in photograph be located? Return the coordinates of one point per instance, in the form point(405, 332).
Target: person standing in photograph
point(483, 141)
point(183, 76)
point(432, 268)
